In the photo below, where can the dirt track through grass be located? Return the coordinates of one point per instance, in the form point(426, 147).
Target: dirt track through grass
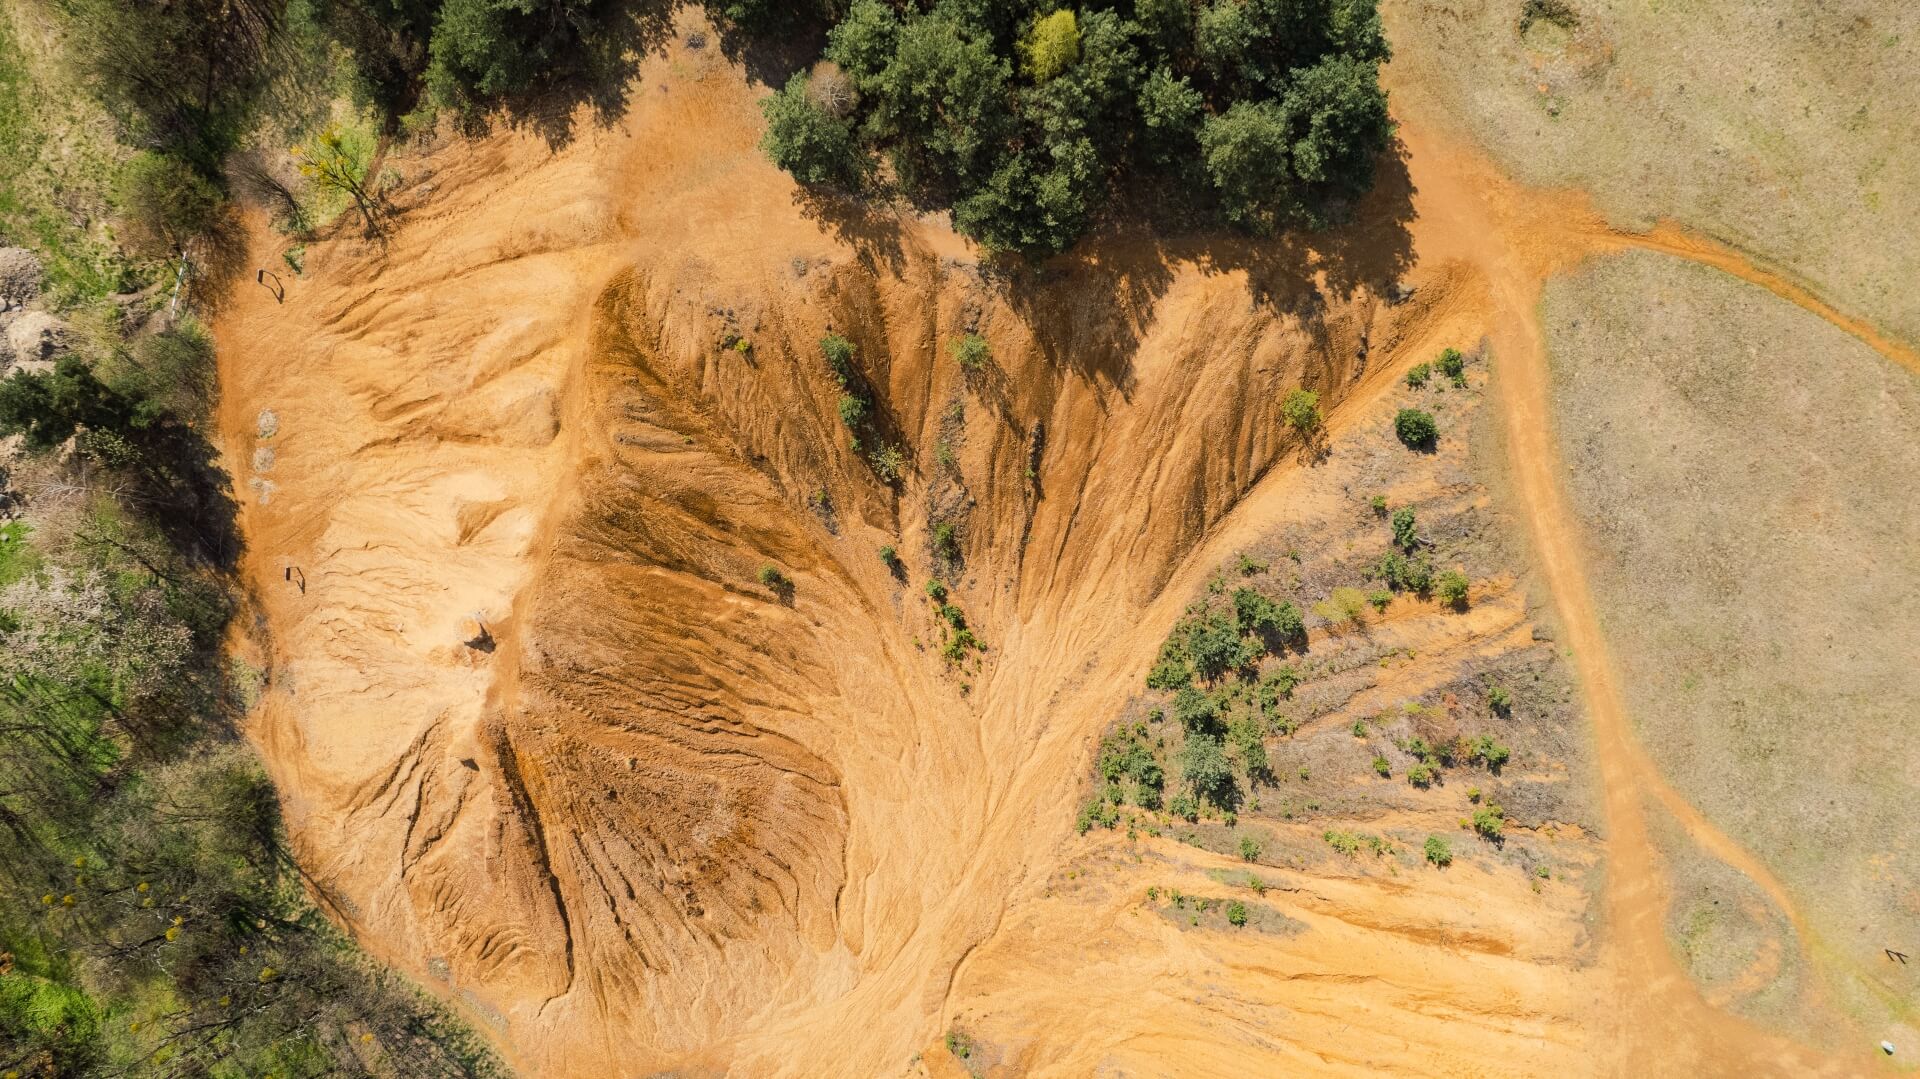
point(1519, 238)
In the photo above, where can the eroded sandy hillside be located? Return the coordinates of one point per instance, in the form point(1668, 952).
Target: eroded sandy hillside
point(547, 741)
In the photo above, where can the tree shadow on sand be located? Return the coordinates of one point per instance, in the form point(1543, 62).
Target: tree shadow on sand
point(1088, 307)
point(1107, 285)
point(603, 83)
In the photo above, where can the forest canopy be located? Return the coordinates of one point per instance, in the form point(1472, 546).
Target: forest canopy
point(1028, 119)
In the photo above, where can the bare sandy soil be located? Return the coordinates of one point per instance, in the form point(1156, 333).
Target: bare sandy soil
point(544, 740)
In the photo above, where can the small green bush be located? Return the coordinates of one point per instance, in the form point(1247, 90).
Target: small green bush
point(1490, 821)
point(888, 462)
point(853, 411)
point(770, 576)
point(1487, 751)
point(1183, 805)
point(839, 353)
point(1170, 672)
point(1439, 851)
point(1406, 529)
point(1380, 597)
point(1379, 504)
point(1097, 811)
point(1415, 428)
point(936, 590)
point(1499, 700)
point(1454, 366)
point(1418, 374)
point(1343, 607)
point(1278, 684)
point(971, 352)
point(1248, 736)
point(1249, 848)
point(945, 542)
point(1402, 573)
point(1204, 767)
point(1236, 912)
point(1194, 709)
point(890, 556)
point(1344, 842)
point(1302, 410)
point(1381, 766)
point(1421, 775)
point(959, 1044)
point(1452, 588)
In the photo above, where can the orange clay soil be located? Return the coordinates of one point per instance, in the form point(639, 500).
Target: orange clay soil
point(544, 741)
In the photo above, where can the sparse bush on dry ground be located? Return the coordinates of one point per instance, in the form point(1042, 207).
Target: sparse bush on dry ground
point(971, 351)
point(1223, 723)
point(1415, 428)
point(1344, 606)
point(1302, 410)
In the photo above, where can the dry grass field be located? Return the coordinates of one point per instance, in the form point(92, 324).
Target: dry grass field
point(1743, 473)
point(1785, 129)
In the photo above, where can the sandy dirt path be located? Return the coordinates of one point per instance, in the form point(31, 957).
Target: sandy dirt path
point(1518, 238)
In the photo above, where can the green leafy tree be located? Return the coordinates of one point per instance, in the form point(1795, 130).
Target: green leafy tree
point(1214, 645)
point(808, 140)
point(1406, 529)
point(1415, 428)
point(1260, 113)
point(1193, 708)
point(1452, 588)
point(486, 50)
point(1337, 115)
point(1439, 851)
point(971, 351)
point(1302, 410)
point(1204, 766)
point(1246, 152)
point(1052, 46)
point(1170, 114)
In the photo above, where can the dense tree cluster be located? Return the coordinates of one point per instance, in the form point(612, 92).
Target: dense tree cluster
point(1028, 118)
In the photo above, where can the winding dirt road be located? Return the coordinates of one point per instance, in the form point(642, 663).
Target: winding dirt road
point(1518, 238)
